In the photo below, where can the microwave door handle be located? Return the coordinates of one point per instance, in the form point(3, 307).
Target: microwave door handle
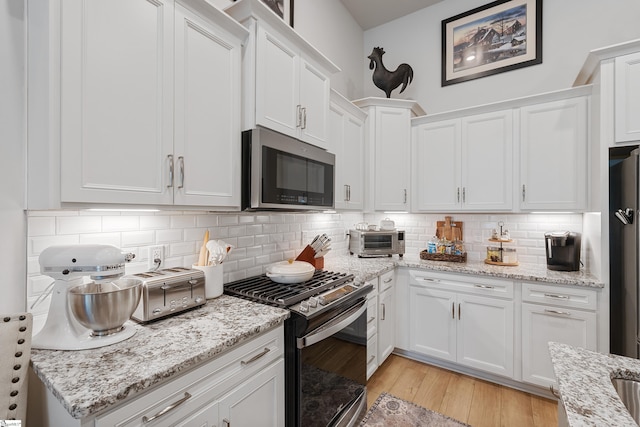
point(333, 326)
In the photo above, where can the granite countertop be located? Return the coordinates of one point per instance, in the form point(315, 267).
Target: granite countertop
point(368, 268)
point(88, 381)
point(585, 388)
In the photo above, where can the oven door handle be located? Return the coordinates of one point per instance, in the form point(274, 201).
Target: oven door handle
point(333, 326)
point(350, 415)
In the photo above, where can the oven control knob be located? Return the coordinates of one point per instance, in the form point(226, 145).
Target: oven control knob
point(304, 307)
point(313, 302)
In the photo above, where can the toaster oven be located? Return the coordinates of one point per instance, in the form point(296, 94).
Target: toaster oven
point(376, 243)
point(168, 291)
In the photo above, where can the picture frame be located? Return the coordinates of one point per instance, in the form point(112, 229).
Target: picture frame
point(501, 36)
point(282, 8)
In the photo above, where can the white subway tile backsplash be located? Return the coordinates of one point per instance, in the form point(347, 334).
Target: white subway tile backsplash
point(41, 226)
point(78, 224)
point(155, 222)
point(120, 223)
point(169, 236)
point(101, 239)
point(36, 244)
point(138, 238)
point(228, 220)
point(183, 221)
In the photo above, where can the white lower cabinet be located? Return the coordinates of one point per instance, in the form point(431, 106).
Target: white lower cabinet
point(463, 319)
point(242, 387)
point(549, 313)
point(372, 329)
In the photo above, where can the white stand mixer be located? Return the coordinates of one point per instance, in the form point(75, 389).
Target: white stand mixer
point(69, 265)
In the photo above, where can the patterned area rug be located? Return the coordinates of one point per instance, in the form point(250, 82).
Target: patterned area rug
point(391, 411)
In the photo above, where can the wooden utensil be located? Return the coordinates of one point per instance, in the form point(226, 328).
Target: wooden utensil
point(202, 259)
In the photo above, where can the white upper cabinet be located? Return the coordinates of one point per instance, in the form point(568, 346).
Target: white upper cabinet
point(463, 164)
point(553, 155)
point(346, 141)
point(627, 98)
point(388, 151)
point(149, 96)
point(286, 80)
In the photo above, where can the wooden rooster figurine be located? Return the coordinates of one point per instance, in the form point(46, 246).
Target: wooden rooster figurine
point(385, 79)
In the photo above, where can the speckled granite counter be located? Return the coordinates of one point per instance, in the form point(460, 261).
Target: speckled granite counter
point(368, 268)
point(584, 384)
point(89, 381)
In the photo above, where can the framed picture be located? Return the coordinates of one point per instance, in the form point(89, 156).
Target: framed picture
point(500, 36)
point(282, 8)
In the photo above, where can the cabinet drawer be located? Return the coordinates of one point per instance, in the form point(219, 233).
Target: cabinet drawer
point(385, 281)
point(560, 296)
point(459, 283)
point(372, 355)
point(200, 385)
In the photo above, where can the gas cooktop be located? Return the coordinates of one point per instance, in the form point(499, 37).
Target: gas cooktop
point(262, 289)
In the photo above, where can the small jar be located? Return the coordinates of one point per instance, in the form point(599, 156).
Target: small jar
point(458, 247)
point(509, 256)
point(494, 254)
point(432, 245)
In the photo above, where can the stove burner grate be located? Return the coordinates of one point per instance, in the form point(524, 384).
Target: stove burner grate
point(263, 289)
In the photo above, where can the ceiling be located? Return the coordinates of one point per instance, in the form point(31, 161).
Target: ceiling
point(371, 13)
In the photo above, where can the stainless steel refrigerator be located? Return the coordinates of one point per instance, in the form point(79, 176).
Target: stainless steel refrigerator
point(624, 266)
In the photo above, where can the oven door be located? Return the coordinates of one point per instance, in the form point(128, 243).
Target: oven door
point(333, 372)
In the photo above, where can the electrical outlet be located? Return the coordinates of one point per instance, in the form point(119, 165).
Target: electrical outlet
point(155, 253)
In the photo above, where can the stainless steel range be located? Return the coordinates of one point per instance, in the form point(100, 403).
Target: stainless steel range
point(325, 345)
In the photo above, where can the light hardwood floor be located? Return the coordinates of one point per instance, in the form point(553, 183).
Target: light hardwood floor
point(470, 400)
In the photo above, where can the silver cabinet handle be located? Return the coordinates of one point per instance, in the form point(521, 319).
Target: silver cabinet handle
point(226, 422)
point(304, 117)
point(346, 193)
point(556, 296)
point(464, 194)
point(453, 310)
point(169, 408)
point(458, 194)
point(484, 286)
point(387, 280)
point(349, 192)
point(371, 319)
point(256, 357)
point(523, 191)
point(563, 313)
point(299, 115)
point(181, 160)
point(170, 158)
point(426, 279)
point(373, 356)
point(383, 312)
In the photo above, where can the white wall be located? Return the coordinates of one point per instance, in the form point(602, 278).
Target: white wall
point(571, 28)
point(12, 153)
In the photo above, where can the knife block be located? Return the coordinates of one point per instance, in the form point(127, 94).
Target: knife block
point(308, 254)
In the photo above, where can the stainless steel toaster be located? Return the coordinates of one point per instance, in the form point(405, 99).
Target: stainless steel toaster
point(168, 291)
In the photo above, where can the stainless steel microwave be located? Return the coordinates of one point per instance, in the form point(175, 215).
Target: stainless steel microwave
point(376, 243)
point(281, 172)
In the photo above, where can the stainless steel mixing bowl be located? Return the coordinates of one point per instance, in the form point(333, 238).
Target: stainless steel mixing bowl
point(104, 307)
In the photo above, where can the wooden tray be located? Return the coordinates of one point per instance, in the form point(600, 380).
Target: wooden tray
point(448, 229)
point(443, 257)
point(505, 264)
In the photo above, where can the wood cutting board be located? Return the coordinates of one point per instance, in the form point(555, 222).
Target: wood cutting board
point(448, 229)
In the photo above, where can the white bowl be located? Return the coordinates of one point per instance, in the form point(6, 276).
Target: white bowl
point(290, 272)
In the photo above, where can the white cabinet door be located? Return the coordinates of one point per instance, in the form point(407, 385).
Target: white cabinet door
point(346, 139)
point(487, 161)
point(116, 101)
point(277, 84)
point(386, 323)
point(392, 154)
point(485, 334)
point(541, 324)
point(432, 329)
point(314, 101)
point(436, 166)
point(464, 164)
point(627, 98)
point(257, 402)
point(553, 155)
point(205, 417)
point(207, 114)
